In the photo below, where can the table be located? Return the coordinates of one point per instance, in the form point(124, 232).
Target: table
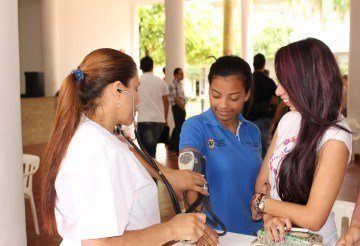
point(232, 239)
point(235, 239)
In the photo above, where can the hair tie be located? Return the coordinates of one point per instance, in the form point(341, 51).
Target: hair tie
point(79, 75)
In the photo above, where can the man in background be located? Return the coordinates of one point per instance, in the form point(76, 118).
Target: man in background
point(264, 101)
point(177, 101)
point(153, 106)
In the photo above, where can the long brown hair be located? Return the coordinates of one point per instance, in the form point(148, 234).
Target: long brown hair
point(100, 68)
point(308, 71)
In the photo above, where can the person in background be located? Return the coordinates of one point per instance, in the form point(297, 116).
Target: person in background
point(177, 101)
point(153, 106)
point(267, 72)
point(230, 144)
point(264, 102)
point(95, 190)
point(307, 158)
point(345, 95)
point(352, 235)
point(164, 72)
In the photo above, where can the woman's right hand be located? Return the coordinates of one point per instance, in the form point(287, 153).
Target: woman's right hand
point(275, 227)
point(351, 237)
point(188, 227)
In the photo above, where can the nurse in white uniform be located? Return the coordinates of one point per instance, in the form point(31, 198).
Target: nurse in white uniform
point(95, 190)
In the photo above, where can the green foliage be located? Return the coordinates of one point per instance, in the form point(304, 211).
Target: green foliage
point(342, 7)
point(271, 39)
point(201, 33)
point(152, 31)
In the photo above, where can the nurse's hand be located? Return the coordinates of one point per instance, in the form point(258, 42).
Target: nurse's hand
point(183, 180)
point(275, 227)
point(210, 238)
point(351, 237)
point(187, 227)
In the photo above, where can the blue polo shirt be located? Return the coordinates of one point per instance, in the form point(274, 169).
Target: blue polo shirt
point(231, 169)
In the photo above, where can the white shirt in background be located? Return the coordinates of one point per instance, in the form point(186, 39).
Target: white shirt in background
point(102, 189)
point(151, 92)
point(288, 130)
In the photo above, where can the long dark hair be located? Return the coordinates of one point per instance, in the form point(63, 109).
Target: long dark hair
point(101, 68)
point(308, 72)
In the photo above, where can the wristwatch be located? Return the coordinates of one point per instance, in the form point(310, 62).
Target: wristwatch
point(261, 205)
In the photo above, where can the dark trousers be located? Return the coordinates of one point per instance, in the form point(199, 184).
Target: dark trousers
point(264, 125)
point(179, 118)
point(149, 133)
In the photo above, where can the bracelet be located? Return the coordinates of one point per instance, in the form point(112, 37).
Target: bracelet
point(255, 200)
point(261, 203)
point(258, 205)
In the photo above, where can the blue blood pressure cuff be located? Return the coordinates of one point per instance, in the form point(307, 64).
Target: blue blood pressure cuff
point(192, 160)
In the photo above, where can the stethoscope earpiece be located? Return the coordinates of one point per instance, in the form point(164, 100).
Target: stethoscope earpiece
point(132, 103)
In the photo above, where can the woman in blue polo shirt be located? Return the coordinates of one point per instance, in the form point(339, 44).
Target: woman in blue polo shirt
point(231, 144)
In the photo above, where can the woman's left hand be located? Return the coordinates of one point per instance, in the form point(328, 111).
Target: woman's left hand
point(276, 228)
point(183, 180)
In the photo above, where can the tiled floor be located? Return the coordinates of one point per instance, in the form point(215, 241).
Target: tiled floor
point(347, 193)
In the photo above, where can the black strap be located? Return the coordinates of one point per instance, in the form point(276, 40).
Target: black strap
point(214, 220)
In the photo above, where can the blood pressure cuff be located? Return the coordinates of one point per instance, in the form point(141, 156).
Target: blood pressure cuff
point(192, 160)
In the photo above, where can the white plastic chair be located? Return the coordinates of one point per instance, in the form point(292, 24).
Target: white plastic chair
point(342, 209)
point(30, 166)
point(355, 128)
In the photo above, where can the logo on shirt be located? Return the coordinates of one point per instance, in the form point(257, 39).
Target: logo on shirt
point(211, 143)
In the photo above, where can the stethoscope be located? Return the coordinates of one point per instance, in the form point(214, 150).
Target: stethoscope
point(175, 202)
point(145, 155)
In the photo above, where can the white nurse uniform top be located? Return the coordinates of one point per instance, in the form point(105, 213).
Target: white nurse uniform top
point(101, 188)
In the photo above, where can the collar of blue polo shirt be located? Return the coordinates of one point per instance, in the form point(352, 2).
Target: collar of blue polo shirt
point(194, 161)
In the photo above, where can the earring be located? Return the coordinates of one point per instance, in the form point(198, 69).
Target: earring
point(118, 104)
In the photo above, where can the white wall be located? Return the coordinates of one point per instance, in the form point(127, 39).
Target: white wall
point(79, 28)
point(12, 212)
point(30, 38)
point(354, 64)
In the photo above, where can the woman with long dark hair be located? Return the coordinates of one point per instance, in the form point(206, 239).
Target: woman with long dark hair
point(95, 191)
point(308, 156)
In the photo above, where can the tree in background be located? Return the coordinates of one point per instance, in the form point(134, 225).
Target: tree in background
point(309, 7)
point(152, 32)
point(271, 39)
point(201, 32)
point(228, 29)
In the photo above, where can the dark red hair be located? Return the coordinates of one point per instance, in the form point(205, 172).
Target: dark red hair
point(101, 68)
point(308, 72)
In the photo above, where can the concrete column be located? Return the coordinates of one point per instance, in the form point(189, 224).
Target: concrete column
point(174, 37)
point(12, 212)
point(354, 64)
point(228, 36)
point(174, 42)
point(50, 25)
point(247, 51)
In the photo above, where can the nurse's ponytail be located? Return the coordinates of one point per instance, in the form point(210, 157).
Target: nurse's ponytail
point(66, 121)
point(78, 95)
